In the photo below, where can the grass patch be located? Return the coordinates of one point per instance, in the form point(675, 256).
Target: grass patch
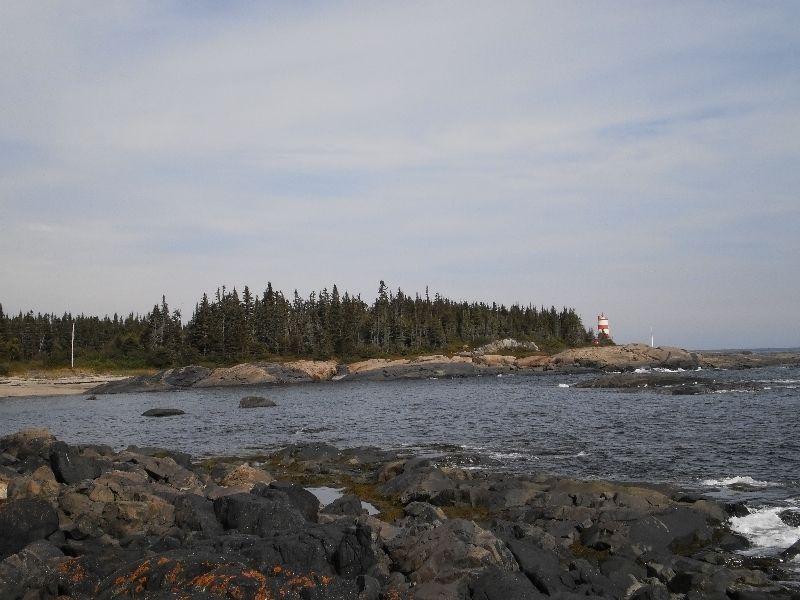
point(590, 554)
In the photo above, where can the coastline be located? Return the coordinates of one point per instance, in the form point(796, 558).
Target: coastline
point(16, 387)
point(624, 358)
point(95, 522)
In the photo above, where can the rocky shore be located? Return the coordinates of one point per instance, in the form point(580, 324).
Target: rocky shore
point(87, 521)
point(468, 364)
point(486, 361)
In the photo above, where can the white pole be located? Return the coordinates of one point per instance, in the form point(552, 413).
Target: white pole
point(72, 349)
point(652, 340)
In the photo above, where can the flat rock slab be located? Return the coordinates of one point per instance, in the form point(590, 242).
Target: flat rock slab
point(255, 402)
point(162, 412)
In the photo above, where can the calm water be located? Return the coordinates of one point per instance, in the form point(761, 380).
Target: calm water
point(519, 423)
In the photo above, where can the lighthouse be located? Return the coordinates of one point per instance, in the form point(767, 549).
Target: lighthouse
point(603, 332)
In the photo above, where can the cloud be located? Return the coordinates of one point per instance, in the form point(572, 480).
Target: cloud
point(641, 162)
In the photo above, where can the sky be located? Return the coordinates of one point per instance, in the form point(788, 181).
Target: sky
point(636, 158)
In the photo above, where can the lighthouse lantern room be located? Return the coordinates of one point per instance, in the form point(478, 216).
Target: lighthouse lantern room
point(603, 332)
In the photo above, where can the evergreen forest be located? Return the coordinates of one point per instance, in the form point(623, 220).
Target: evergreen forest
point(231, 327)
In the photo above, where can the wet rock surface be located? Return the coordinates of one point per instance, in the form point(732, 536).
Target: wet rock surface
point(676, 384)
point(256, 402)
point(163, 412)
point(91, 522)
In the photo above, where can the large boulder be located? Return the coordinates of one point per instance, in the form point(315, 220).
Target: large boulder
point(70, 467)
point(627, 357)
point(259, 515)
point(348, 504)
point(245, 477)
point(306, 502)
point(496, 584)
point(24, 521)
point(452, 550)
point(163, 412)
point(256, 402)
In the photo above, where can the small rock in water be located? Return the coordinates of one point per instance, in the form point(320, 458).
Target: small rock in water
point(255, 402)
point(790, 517)
point(162, 412)
point(92, 398)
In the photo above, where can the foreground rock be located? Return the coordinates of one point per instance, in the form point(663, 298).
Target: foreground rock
point(147, 523)
point(256, 402)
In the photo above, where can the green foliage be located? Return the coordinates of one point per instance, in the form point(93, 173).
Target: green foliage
point(230, 328)
point(4, 369)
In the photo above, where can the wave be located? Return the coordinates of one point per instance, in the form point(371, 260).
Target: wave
point(580, 454)
point(745, 480)
point(563, 385)
point(765, 530)
point(664, 370)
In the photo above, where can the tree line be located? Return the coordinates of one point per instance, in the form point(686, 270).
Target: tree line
point(231, 327)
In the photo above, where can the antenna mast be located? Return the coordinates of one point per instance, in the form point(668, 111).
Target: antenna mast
point(72, 348)
point(652, 340)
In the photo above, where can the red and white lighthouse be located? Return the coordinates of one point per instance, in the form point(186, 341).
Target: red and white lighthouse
point(602, 327)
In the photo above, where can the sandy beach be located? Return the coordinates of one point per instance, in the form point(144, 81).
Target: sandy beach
point(14, 387)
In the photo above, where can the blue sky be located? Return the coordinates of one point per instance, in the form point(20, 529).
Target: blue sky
point(640, 159)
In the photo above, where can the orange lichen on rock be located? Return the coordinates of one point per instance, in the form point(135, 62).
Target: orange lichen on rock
point(73, 570)
point(174, 573)
point(137, 579)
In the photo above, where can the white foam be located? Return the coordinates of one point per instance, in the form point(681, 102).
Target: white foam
point(563, 385)
point(506, 455)
point(765, 530)
point(729, 481)
point(658, 370)
point(580, 454)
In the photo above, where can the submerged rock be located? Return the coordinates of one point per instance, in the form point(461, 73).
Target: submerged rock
point(162, 412)
point(255, 402)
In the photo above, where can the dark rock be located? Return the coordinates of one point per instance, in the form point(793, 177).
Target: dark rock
point(676, 526)
point(70, 467)
point(791, 551)
point(249, 513)
point(166, 470)
point(655, 591)
point(369, 588)
point(182, 458)
point(425, 484)
point(196, 513)
point(448, 552)
point(255, 402)
point(305, 501)
point(790, 517)
point(539, 565)
point(24, 521)
point(495, 584)
point(185, 377)
point(310, 452)
point(162, 412)
point(349, 504)
point(203, 575)
point(737, 509)
point(422, 511)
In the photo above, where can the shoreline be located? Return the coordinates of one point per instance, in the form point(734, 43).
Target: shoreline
point(625, 358)
point(142, 521)
point(17, 387)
